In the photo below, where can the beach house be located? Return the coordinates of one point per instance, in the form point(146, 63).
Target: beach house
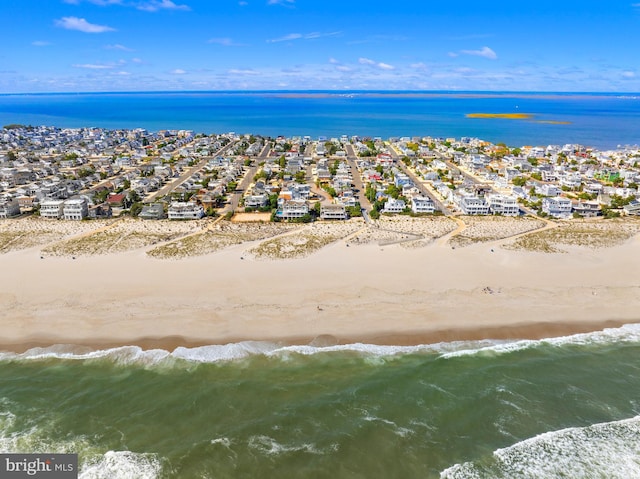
point(179, 210)
point(75, 209)
point(291, 209)
point(422, 204)
point(9, 208)
point(393, 205)
point(333, 212)
point(557, 207)
point(51, 209)
point(506, 205)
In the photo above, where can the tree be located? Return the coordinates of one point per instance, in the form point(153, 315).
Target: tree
point(393, 191)
point(301, 177)
point(11, 155)
point(135, 209)
point(273, 201)
point(133, 196)
point(519, 181)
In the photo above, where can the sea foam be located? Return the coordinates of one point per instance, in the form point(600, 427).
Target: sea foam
point(610, 450)
point(629, 333)
point(122, 465)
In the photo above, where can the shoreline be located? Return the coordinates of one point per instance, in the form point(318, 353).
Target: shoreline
point(515, 332)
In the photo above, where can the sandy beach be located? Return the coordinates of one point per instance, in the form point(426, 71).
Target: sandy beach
point(341, 290)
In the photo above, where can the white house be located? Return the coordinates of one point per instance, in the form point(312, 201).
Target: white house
point(422, 204)
point(74, 209)
point(393, 206)
point(506, 205)
point(333, 212)
point(51, 209)
point(179, 210)
point(557, 207)
point(473, 205)
point(291, 209)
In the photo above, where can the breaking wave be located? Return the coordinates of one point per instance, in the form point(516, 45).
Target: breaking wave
point(237, 351)
point(610, 450)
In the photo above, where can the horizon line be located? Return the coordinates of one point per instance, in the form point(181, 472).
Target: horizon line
point(331, 91)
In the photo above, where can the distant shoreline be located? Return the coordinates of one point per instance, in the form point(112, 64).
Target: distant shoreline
point(491, 93)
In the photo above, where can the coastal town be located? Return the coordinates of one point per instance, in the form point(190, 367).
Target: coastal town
point(93, 173)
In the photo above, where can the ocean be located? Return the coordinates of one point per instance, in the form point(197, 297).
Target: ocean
point(599, 120)
point(563, 407)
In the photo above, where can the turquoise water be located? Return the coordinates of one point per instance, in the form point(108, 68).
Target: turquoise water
point(567, 407)
point(598, 120)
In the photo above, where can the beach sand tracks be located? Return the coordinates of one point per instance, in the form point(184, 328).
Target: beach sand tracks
point(598, 233)
point(220, 236)
point(125, 235)
point(483, 229)
point(410, 232)
point(305, 241)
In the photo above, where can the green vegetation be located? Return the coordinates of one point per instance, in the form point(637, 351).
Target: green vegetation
point(519, 181)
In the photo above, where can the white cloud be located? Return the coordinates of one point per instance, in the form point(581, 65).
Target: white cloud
point(333, 61)
point(102, 3)
point(136, 60)
point(484, 52)
point(117, 46)
point(178, 71)
point(343, 68)
point(303, 36)
point(419, 66)
point(281, 2)
point(373, 63)
point(93, 66)
point(235, 71)
point(155, 5)
point(629, 73)
point(39, 43)
point(225, 42)
point(286, 38)
point(81, 25)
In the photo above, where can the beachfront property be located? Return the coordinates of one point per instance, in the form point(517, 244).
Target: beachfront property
point(52, 209)
point(292, 209)
point(75, 209)
point(421, 204)
point(333, 212)
point(505, 205)
point(9, 208)
point(154, 211)
point(473, 205)
point(185, 211)
point(632, 209)
point(393, 206)
point(557, 207)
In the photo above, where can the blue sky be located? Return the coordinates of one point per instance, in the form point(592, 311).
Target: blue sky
point(132, 45)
